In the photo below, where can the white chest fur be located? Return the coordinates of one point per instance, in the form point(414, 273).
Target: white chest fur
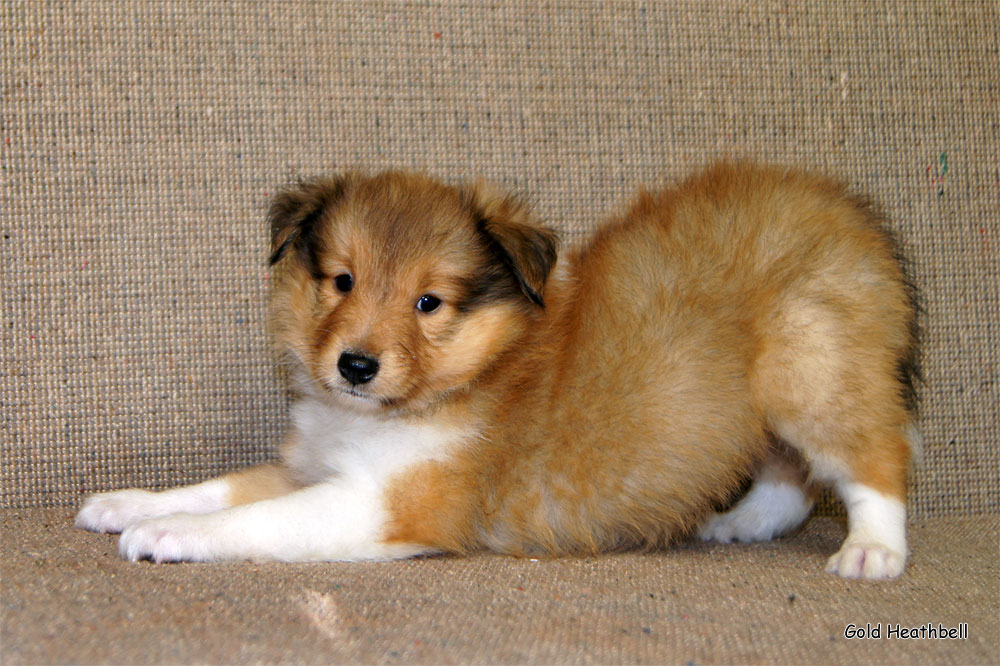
point(333, 441)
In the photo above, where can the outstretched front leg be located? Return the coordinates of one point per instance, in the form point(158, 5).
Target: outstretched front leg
point(114, 511)
point(341, 519)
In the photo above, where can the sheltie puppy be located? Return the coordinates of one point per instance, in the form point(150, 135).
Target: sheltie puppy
point(463, 387)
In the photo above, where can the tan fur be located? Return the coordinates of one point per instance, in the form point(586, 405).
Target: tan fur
point(742, 305)
point(260, 483)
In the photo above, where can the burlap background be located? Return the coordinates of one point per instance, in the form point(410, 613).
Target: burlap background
point(139, 142)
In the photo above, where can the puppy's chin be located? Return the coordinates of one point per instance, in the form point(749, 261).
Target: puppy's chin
point(356, 399)
point(371, 402)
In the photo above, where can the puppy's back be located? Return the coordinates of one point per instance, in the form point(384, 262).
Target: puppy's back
point(746, 304)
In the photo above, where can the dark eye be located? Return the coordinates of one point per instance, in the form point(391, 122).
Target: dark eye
point(428, 303)
point(344, 282)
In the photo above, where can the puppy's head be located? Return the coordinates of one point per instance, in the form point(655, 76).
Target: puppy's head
point(394, 290)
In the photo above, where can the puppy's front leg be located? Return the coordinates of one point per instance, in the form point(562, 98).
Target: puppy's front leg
point(114, 511)
point(340, 519)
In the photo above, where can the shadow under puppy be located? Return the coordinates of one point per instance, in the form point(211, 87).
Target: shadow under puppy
point(461, 388)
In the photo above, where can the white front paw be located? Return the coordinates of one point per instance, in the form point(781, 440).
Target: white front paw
point(872, 561)
point(112, 512)
point(176, 538)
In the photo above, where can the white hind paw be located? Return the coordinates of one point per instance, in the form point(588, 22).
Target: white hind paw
point(767, 511)
point(875, 548)
point(727, 527)
point(871, 561)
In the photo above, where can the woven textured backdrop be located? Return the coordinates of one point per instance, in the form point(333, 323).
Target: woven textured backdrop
point(139, 142)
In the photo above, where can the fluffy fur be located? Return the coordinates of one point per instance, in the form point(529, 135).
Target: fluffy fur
point(460, 389)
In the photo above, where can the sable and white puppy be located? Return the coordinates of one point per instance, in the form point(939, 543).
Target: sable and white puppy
point(460, 390)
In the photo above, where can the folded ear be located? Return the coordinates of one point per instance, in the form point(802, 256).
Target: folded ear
point(527, 249)
point(295, 213)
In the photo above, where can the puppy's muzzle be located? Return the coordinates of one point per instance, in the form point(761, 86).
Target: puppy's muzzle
point(357, 368)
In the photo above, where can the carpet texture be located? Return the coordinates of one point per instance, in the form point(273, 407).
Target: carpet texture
point(140, 142)
point(68, 598)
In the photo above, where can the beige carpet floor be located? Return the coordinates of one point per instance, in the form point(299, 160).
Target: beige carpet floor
point(67, 598)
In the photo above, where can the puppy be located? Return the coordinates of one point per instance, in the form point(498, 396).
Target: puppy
point(460, 388)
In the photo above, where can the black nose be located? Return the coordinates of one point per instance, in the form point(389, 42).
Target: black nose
point(357, 368)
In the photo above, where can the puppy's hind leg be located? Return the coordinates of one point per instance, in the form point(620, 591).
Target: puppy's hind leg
point(779, 500)
point(830, 382)
point(866, 462)
point(873, 488)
